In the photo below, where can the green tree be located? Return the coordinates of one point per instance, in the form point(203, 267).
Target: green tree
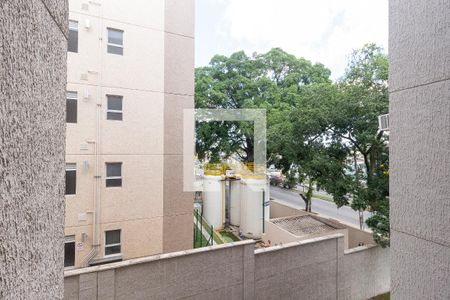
point(317, 130)
point(365, 89)
point(270, 81)
point(353, 120)
point(331, 126)
point(317, 159)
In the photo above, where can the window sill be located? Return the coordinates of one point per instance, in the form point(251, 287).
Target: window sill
point(106, 259)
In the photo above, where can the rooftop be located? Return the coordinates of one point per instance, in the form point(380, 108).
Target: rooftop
point(303, 225)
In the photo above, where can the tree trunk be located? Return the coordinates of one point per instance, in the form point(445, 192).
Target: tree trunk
point(307, 198)
point(249, 151)
point(307, 203)
point(370, 163)
point(309, 194)
point(361, 219)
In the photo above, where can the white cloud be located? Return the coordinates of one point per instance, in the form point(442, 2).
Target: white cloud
point(323, 31)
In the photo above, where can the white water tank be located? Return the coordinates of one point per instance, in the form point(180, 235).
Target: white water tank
point(213, 201)
point(235, 202)
point(254, 206)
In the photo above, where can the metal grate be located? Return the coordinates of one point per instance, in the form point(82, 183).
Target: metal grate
point(302, 225)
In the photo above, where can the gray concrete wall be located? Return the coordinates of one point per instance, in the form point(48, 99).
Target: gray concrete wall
point(312, 269)
point(356, 236)
point(366, 272)
point(32, 131)
point(279, 210)
point(220, 272)
point(299, 271)
point(419, 82)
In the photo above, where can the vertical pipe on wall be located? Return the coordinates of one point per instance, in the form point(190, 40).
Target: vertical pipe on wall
point(97, 153)
point(263, 209)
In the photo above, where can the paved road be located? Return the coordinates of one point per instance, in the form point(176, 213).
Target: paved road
point(344, 214)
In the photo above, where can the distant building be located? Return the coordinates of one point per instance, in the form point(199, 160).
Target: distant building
point(130, 74)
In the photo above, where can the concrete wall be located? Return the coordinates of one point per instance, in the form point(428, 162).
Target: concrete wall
point(279, 210)
point(32, 118)
point(277, 235)
point(311, 269)
point(366, 271)
point(357, 236)
point(219, 272)
point(299, 271)
point(420, 148)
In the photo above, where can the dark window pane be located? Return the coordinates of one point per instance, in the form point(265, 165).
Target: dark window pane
point(73, 41)
point(115, 50)
point(112, 237)
point(113, 182)
point(71, 111)
point(71, 182)
point(113, 169)
point(69, 254)
point(114, 116)
point(112, 250)
point(115, 36)
point(114, 102)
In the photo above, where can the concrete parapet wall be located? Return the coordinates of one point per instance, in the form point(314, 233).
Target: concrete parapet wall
point(217, 272)
point(366, 272)
point(299, 270)
point(279, 210)
point(310, 269)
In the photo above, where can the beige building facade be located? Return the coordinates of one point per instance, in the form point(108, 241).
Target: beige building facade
point(130, 75)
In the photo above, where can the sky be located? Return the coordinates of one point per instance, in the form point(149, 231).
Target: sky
point(324, 31)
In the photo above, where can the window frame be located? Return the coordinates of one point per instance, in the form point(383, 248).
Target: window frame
point(114, 177)
point(73, 29)
point(75, 98)
point(113, 245)
point(69, 239)
point(71, 167)
point(109, 44)
point(114, 111)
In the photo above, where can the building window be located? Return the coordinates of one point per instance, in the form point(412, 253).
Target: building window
point(112, 242)
point(69, 251)
point(115, 41)
point(71, 107)
point(73, 36)
point(71, 179)
point(113, 174)
point(114, 111)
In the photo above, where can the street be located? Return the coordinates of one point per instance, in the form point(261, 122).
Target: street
point(344, 214)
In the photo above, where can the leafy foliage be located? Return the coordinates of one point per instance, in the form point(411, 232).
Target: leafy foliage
point(319, 133)
point(270, 81)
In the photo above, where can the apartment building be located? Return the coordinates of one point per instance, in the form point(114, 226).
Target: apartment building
point(130, 75)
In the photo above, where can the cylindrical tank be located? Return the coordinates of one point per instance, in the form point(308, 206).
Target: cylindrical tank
point(213, 202)
point(254, 206)
point(235, 202)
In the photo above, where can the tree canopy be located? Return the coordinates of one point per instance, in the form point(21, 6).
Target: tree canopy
point(270, 81)
point(320, 133)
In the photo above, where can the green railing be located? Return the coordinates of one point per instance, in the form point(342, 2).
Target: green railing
point(199, 238)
